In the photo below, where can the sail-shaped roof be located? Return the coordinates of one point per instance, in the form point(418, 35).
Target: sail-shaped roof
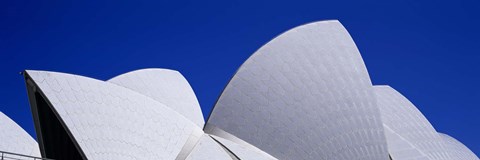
point(306, 94)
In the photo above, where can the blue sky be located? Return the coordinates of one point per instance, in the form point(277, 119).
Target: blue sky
point(428, 50)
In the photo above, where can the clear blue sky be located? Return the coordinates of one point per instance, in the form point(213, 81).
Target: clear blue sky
point(428, 50)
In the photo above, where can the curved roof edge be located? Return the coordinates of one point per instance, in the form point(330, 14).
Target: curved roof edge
point(166, 86)
point(457, 149)
point(250, 57)
point(15, 139)
point(286, 81)
point(143, 69)
point(407, 122)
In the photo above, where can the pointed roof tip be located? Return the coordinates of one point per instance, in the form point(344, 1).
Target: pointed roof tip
point(27, 71)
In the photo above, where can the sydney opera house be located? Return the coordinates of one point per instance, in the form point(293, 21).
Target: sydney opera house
point(306, 94)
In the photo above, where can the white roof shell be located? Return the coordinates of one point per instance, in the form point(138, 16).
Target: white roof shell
point(457, 150)
point(166, 86)
point(112, 122)
point(16, 140)
point(406, 122)
point(304, 95)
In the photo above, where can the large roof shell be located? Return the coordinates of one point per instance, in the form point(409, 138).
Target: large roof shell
point(112, 122)
point(304, 95)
